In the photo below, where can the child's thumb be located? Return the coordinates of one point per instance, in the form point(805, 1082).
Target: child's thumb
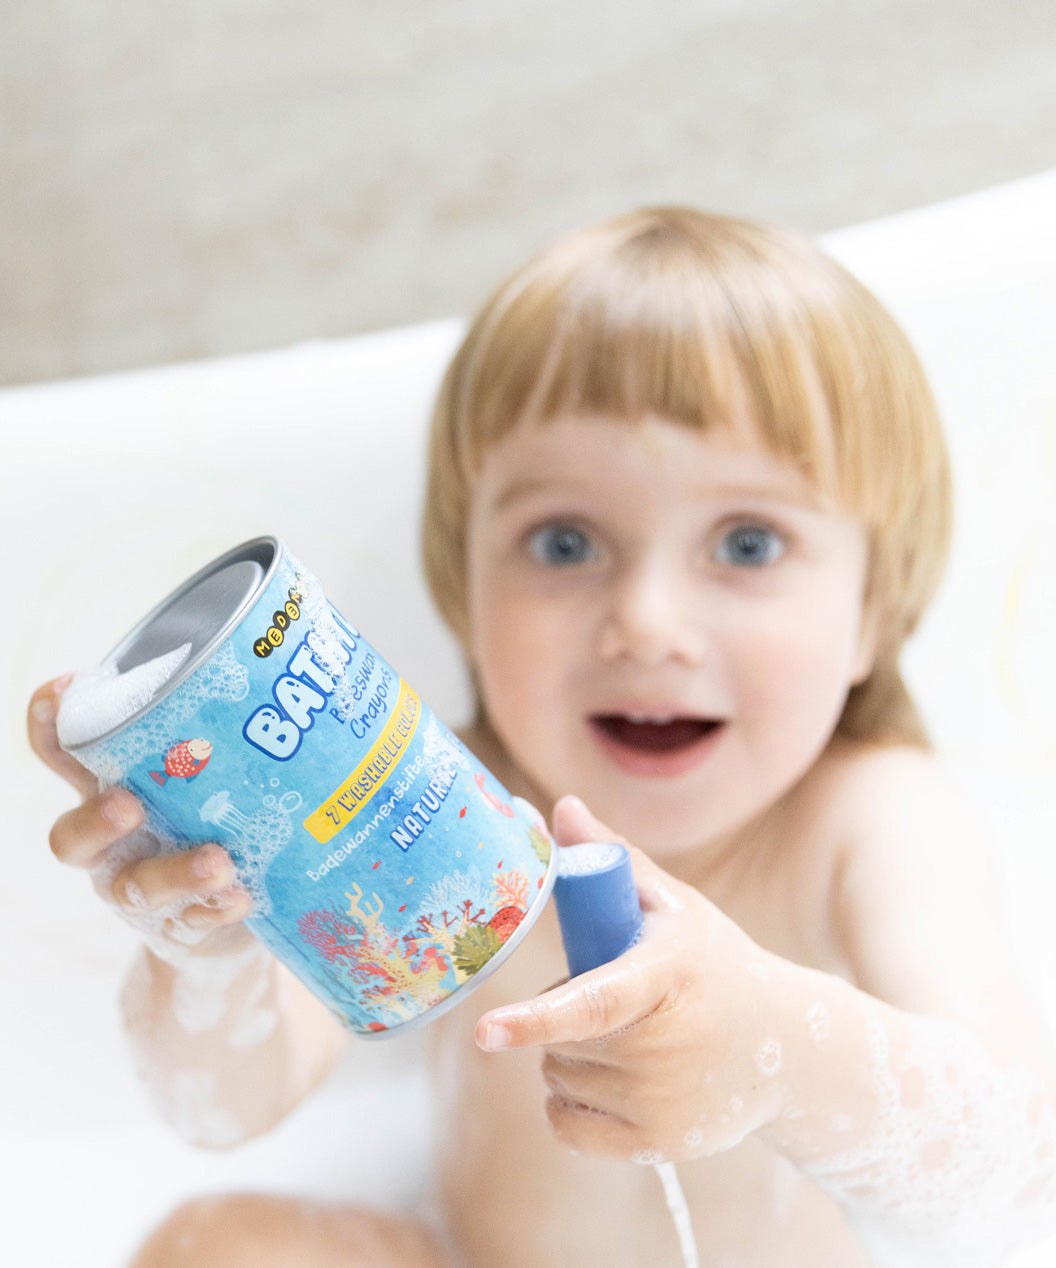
point(573, 824)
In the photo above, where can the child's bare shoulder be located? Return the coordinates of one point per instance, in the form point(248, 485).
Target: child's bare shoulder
point(858, 779)
point(891, 797)
point(915, 878)
point(857, 796)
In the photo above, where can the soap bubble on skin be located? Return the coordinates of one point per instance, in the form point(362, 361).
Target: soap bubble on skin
point(255, 1028)
point(768, 1058)
point(201, 996)
point(202, 981)
point(188, 1100)
point(200, 990)
point(163, 929)
point(818, 1022)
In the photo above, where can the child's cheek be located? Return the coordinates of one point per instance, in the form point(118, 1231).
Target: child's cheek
point(796, 664)
point(511, 641)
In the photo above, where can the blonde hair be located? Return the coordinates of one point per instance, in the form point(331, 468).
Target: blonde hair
point(686, 316)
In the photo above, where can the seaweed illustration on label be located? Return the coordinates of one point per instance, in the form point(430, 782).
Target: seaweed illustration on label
point(480, 942)
point(540, 843)
point(454, 914)
point(184, 761)
point(491, 799)
point(393, 973)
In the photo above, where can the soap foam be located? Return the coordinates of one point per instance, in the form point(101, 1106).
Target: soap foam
point(952, 1171)
point(768, 1058)
point(189, 1102)
point(102, 699)
point(584, 860)
point(221, 677)
point(254, 838)
point(162, 929)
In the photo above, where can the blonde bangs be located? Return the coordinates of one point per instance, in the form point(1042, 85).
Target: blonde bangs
point(671, 318)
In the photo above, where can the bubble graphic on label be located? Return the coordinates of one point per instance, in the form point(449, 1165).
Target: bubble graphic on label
point(256, 838)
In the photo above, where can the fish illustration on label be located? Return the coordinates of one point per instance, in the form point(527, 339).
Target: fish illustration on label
point(184, 761)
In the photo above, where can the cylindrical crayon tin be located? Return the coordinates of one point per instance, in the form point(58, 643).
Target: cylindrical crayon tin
point(390, 870)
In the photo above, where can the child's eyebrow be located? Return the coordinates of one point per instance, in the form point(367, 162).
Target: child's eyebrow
point(791, 491)
point(518, 490)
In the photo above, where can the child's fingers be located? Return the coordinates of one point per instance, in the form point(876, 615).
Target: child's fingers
point(229, 908)
point(604, 1088)
point(591, 1006)
point(44, 741)
point(81, 836)
point(150, 884)
point(589, 1130)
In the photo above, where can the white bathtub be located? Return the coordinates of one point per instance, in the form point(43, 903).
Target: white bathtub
point(116, 488)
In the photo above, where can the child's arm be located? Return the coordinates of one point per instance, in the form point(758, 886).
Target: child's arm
point(931, 1118)
point(227, 1041)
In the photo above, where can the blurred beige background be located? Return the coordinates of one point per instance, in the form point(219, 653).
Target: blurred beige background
point(182, 181)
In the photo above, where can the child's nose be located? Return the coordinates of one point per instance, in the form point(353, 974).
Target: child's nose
point(650, 618)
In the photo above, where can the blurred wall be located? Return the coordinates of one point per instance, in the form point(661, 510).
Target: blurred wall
point(181, 181)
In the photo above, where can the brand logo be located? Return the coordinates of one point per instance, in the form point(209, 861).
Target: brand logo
point(280, 623)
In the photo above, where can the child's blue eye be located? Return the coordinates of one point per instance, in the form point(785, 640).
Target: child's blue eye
point(750, 547)
point(561, 545)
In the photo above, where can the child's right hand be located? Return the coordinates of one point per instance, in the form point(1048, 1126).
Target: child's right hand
point(183, 904)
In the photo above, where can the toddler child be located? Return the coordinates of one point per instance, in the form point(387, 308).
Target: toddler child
point(688, 496)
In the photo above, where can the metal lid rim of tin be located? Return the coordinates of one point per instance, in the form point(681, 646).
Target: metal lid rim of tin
point(247, 549)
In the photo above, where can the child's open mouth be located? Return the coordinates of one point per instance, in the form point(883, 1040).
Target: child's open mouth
point(655, 746)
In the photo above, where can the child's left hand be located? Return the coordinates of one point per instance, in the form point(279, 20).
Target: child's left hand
point(671, 1051)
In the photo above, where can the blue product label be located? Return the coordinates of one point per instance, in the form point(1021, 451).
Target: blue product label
point(388, 866)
